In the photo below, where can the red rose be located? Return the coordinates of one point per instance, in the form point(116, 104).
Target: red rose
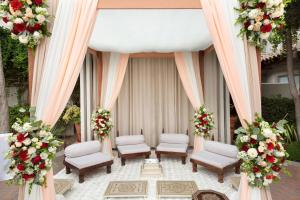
point(38, 2)
point(42, 166)
point(37, 27)
point(266, 16)
point(205, 122)
point(27, 176)
point(44, 145)
point(21, 137)
point(255, 169)
point(260, 5)
point(16, 5)
point(204, 115)
point(253, 141)
point(245, 147)
point(270, 159)
point(20, 167)
point(18, 28)
point(269, 176)
point(247, 24)
point(276, 168)
point(266, 28)
point(23, 155)
point(5, 19)
point(36, 159)
point(30, 29)
point(270, 146)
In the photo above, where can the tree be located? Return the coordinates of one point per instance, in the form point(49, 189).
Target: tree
point(292, 17)
point(4, 124)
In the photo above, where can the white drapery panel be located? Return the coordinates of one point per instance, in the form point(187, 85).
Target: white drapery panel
point(239, 67)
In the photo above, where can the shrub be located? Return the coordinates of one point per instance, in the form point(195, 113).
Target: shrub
point(294, 151)
point(18, 111)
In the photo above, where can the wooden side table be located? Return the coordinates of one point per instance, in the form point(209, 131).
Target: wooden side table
point(209, 194)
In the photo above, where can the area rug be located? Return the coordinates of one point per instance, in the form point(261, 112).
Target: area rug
point(96, 181)
point(176, 188)
point(126, 189)
point(63, 185)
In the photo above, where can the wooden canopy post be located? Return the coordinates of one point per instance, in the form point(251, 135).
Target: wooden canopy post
point(31, 58)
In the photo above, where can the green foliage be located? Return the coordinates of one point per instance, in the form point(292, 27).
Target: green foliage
point(290, 134)
point(292, 14)
point(294, 151)
point(18, 112)
point(15, 59)
point(277, 108)
point(72, 115)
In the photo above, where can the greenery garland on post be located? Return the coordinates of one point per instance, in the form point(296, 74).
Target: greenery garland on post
point(101, 123)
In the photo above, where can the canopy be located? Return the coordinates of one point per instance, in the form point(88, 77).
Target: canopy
point(150, 30)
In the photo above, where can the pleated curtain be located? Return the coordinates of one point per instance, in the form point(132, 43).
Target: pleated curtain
point(60, 69)
point(189, 72)
point(240, 68)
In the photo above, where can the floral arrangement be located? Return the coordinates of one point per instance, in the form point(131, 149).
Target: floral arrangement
point(72, 114)
point(260, 20)
point(203, 122)
point(262, 151)
point(101, 123)
point(32, 150)
point(26, 20)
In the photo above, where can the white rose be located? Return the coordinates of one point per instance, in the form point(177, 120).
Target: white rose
point(18, 21)
point(12, 147)
point(266, 21)
point(31, 150)
point(252, 153)
point(258, 174)
point(9, 25)
point(262, 163)
point(245, 138)
point(27, 141)
point(29, 2)
point(267, 132)
point(35, 139)
point(23, 39)
point(24, 148)
point(36, 35)
point(43, 133)
point(264, 36)
point(41, 179)
point(4, 3)
point(261, 148)
point(279, 153)
point(51, 149)
point(254, 137)
point(270, 3)
point(43, 172)
point(254, 13)
point(18, 144)
point(38, 145)
point(44, 156)
point(27, 126)
point(40, 18)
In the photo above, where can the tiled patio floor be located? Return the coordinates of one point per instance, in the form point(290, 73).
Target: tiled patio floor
point(287, 189)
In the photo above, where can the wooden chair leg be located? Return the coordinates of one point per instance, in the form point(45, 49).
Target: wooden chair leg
point(221, 176)
point(81, 177)
point(194, 167)
point(158, 156)
point(108, 169)
point(68, 170)
point(183, 160)
point(123, 161)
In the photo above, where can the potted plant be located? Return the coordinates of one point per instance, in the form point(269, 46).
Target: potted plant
point(72, 115)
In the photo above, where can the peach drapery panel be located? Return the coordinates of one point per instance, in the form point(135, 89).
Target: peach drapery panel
point(189, 72)
point(55, 79)
point(113, 73)
point(240, 68)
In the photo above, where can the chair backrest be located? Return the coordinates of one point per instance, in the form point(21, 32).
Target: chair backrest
point(174, 138)
point(221, 148)
point(83, 149)
point(130, 140)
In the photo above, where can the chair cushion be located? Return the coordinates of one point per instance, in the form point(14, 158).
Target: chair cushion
point(129, 140)
point(82, 149)
point(174, 138)
point(89, 160)
point(213, 159)
point(137, 148)
point(181, 148)
point(220, 148)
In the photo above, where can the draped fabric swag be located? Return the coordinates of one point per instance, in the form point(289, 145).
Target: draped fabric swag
point(189, 72)
point(240, 73)
point(55, 79)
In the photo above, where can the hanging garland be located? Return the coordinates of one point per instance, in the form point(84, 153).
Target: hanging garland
point(262, 151)
point(26, 20)
point(260, 20)
point(203, 122)
point(101, 123)
point(31, 153)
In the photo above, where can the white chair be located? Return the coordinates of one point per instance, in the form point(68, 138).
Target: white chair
point(173, 144)
point(217, 157)
point(132, 146)
point(86, 156)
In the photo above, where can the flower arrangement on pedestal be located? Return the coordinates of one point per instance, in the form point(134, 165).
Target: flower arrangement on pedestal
point(262, 151)
point(101, 123)
point(26, 20)
point(32, 150)
point(260, 20)
point(203, 122)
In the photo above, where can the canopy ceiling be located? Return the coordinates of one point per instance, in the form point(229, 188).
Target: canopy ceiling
point(150, 30)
